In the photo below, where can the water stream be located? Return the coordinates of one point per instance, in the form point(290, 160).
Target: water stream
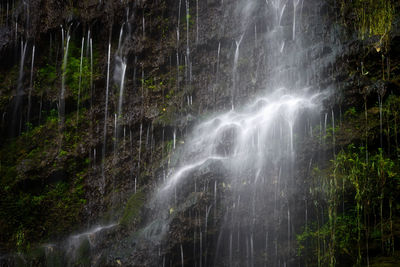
point(249, 153)
point(233, 173)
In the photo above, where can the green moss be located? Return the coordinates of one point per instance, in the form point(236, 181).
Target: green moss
point(152, 84)
point(46, 78)
point(42, 185)
point(353, 198)
point(73, 77)
point(385, 262)
point(7, 83)
point(350, 190)
point(369, 18)
point(132, 209)
point(83, 254)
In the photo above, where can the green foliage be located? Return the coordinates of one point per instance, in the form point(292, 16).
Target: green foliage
point(132, 209)
point(42, 185)
point(152, 85)
point(62, 153)
point(357, 187)
point(187, 18)
point(345, 232)
point(8, 80)
point(350, 113)
point(370, 17)
point(169, 94)
point(46, 78)
point(73, 77)
point(83, 254)
point(20, 239)
point(163, 26)
point(52, 117)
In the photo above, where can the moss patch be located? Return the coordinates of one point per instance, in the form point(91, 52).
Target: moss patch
point(132, 209)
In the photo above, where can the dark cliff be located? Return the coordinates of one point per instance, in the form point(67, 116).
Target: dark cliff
point(89, 165)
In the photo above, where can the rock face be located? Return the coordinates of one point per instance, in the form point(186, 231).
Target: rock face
point(173, 65)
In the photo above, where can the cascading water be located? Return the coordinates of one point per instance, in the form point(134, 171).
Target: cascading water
point(17, 115)
point(248, 153)
point(121, 92)
point(106, 114)
point(230, 181)
point(63, 77)
point(234, 74)
point(30, 85)
point(80, 80)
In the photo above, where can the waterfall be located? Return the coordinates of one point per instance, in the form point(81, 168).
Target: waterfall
point(91, 72)
point(106, 114)
point(140, 148)
point(17, 115)
point(115, 135)
point(252, 148)
point(30, 85)
point(177, 44)
point(63, 76)
point(197, 22)
point(182, 259)
point(295, 4)
point(234, 72)
point(143, 27)
point(187, 65)
point(121, 32)
point(88, 43)
point(80, 80)
point(218, 143)
point(174, 139)
point(121, 88)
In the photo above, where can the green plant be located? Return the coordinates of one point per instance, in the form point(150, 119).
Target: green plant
point(370, 18)
point(46, 78)
point(350, 113)
point(132, 209)
point(356, 187)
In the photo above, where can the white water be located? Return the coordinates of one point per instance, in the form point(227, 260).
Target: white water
point(143, 27)
point(140, 148)
point(182, 258)
point(121, 32)
point(234, 72)
point(255, 144)
point(17, 115)
point(197, 21)
point(121, 88)
point(80, 80)
point(92, 231)
point(174, 139)
point(31, 85)
point(91, 68)
point(106, 113)
point(63, 76)
point(177, 44)
point(115, 136)
point(187, 43)
point(218, 53)
point(88, 44)
point(251, 150)
point(74, 242)
point(295, 4)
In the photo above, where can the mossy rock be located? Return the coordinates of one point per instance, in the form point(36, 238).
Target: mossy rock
point(132, 209)
point(385, 262)
point(83, 254)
